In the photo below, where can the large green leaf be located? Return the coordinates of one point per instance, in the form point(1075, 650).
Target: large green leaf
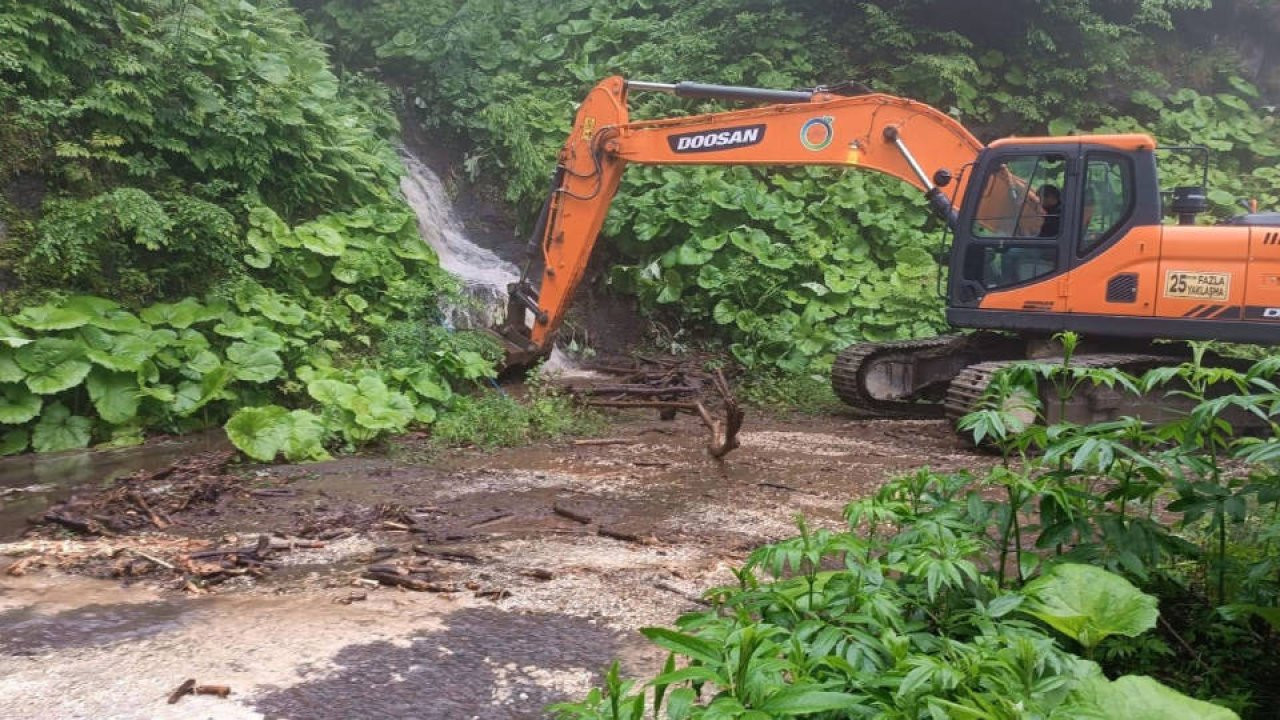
point(191, 396)
point(58, 430)
point(52, 317)
point(305, 438)
point(327, 391)
point(263, 433)
point(114, 395)
point(281, 311)
point(180, 315)
point(259, 432)
point(1088, 604)
point(11, 336)
point(15, 441)
point(118, 321)
point(321, 239)
point(129, 352)
point(18, 405)
point(378, 408)
point(692, 647)
point(52, 365)
point(428, 383)
point(1137, 697)
point(9, 370)
point(254, 364)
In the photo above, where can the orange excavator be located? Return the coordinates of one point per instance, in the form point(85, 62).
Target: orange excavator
point(1048, 234)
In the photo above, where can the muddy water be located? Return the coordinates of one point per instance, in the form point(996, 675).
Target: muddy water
point(31, 483)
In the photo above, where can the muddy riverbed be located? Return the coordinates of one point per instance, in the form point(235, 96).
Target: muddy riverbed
point(545, 561)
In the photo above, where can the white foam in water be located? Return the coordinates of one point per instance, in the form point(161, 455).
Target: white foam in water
point(559, 364)
point(484, 275)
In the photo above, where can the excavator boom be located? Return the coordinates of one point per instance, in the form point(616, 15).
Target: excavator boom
point(892, 135)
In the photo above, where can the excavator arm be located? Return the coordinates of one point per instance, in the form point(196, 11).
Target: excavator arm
point(892, 135)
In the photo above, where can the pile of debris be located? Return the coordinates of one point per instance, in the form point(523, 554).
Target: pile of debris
point(147, 500)
point(204, 568)
point(670, 387)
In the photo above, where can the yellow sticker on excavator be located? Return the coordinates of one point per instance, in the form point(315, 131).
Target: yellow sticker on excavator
point(853, 157)
point(1197, 285)
point(588, 127)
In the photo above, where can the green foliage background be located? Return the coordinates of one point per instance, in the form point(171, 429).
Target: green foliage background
point(201, 217)
point(200, 208)
point(787, 266)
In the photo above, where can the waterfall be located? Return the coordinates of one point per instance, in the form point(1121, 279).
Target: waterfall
point(484, 276)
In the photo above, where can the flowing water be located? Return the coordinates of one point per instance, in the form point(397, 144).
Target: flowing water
point(484, 276)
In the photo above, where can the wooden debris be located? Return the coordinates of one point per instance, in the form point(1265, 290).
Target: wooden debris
point(626, 536)
point(670, 390)
point(409, 583)
point(218, 690)
point(186, 688)
point(147, 498)
point(573, 515)
point(152, 559)
point(456, 556)
point(663, 585)
point(489, 520)
point(19, 567)
point(273, 492)
point(605, 441)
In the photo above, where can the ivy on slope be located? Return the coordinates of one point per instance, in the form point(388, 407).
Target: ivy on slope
point(206, 224)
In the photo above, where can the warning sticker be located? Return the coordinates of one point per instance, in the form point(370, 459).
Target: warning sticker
point(1197, 285)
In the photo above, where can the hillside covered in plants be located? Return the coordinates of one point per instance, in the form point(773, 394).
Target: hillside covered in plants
point(202, 222)
point(201, 215)
point(784, 267)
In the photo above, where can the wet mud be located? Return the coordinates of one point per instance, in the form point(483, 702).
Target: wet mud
point(545, 562)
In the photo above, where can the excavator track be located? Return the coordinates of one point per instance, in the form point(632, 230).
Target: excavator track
point(909, 378)
point(1089, 403)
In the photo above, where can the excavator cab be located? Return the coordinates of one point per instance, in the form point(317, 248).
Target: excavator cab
point(1037, 209)
point(1101, 261)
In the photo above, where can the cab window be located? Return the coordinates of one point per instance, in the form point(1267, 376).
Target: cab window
point(1017, 222)
point(1108, 199)
point(1022, 198)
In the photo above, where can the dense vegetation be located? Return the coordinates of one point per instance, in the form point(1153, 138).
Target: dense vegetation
point(786, 267)
point(201, 219)
point(1011, 594)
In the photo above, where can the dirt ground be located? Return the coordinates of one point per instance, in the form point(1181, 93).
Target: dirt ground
point(542, 563)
